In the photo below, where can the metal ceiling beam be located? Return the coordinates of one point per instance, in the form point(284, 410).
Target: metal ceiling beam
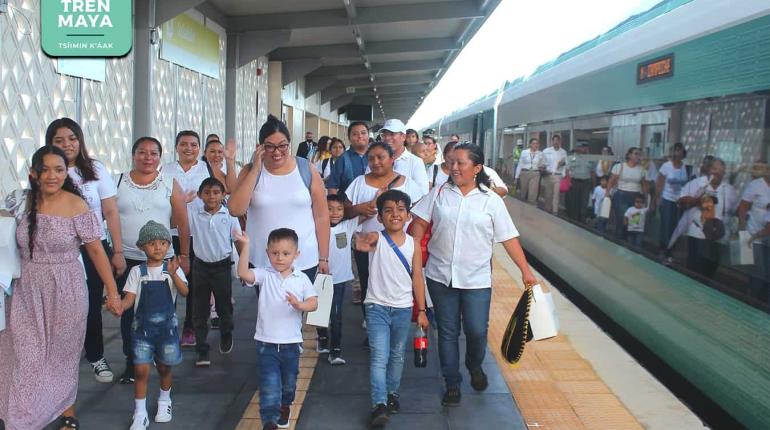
point(364, 15)
point(295, 69)
point(344, 50)
point(335, 91)
point(316, 84)
point(167, 9)
point(254, 44)
point(405, 66)
point(385, 81)
point(413, 45)
point(357, 69)
point(340, 101)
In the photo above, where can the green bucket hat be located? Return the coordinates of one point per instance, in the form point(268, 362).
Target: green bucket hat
point(153, 231)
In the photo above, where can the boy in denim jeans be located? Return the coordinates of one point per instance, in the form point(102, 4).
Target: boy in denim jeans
point(284, 294)
point(395, 280)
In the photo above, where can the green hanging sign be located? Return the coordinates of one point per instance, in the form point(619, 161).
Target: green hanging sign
point(86, 28)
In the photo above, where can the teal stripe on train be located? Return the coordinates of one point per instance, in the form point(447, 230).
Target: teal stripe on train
point(719, 344)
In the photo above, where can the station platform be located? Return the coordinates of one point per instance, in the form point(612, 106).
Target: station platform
point(578, 380)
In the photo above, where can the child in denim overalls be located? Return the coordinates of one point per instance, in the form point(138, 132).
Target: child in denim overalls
point(151, 289)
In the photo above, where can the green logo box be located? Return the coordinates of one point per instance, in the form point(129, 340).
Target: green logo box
point(86, 28)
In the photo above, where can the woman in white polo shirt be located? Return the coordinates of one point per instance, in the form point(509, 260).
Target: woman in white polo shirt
point(468, 219)
point(629, 177)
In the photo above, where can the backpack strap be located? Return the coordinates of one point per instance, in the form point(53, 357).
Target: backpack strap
point(120, 179)
point(390, 185)
point(398, 252)
point(304, 171)
point(323, 166)
point(435, 174)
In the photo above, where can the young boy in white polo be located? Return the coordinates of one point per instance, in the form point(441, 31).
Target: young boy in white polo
point(213, 226)
point(395, 281)
point(284, 294)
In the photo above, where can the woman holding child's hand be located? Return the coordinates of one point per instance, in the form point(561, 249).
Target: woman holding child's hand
point(279, 190)
point(467, 214)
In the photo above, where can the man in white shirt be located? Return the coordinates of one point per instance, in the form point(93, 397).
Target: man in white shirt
point(555, 160)
point(406, 163)
point(528, 171)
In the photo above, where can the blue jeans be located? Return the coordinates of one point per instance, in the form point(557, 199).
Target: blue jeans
point(277, 369)
point(453, 305)
point(388, 330)
point(334, 332)
point(635, 238)
point(621, 201)
point(669, 218)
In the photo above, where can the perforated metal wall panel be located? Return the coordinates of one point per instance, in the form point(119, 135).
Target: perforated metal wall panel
point(189, 100)
point(163, 103)
point(32, 94)
point(246, 124)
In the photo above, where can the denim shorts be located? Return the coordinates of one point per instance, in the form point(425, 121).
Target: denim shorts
point(159, 344)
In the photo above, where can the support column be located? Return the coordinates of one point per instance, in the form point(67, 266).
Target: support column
point(144, 23)
point(274, 88)
point(231, 80)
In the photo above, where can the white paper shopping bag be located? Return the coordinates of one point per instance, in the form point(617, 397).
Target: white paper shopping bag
point(10, 262)
point(542, 315)
point(324, 286)
point(741, 251)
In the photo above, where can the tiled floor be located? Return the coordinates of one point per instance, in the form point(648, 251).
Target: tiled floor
point(553, 385)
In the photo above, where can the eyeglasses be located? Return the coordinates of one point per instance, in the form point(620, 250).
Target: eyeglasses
point(282, 147)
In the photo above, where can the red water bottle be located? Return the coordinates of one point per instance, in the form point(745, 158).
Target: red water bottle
point(420, 348)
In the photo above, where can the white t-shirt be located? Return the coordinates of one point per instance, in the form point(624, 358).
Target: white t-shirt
point(529, 161)
point(339, 250)
point(277, 321)
point(413, 168)
point(631, 179)
point(675, 180)
point(725, 193)
point(324, 171)
point(598, 197)
point(213, 232)
point(95, 191)
point(282, 201)
point(442, 178)
point(553, 157)
point(188, 181)
point(138, 204)
point(134, 281)
point(389, 282)
point(465, 228)
point(636, 218)
point(757, 193)
point(360, 192)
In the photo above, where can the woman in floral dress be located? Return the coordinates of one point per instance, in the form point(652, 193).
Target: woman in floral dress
point(46, 314)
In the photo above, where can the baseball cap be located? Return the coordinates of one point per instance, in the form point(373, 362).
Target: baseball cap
point(394, 126)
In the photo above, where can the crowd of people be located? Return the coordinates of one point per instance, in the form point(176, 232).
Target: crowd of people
point(693, 204)
point(403, 208)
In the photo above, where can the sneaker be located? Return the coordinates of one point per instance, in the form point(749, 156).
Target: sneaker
point(164, 411)
point(203, 359)
point(226, 343)
point(270, 426)
point(479, 380)
point(128, 375)
point(322, 345)
point(283, 421)
point(140, 422)
point(451, 397)
point(215, 323)
point(188, 337)
point(102, 370)
point(335, 358)
point(394, 406)
point(379, 416)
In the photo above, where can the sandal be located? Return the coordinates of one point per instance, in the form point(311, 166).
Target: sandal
point(67, 423)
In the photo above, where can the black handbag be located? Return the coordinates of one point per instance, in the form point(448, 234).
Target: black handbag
point(517, 332)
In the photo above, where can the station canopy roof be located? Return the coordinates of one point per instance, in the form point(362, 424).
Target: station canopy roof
point(384, 53)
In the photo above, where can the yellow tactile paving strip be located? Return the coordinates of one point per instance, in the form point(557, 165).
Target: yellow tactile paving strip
point(307, 363)
point(554, 387)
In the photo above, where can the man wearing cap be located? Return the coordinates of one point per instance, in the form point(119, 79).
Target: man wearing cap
point(406, 163)
point(580, 171)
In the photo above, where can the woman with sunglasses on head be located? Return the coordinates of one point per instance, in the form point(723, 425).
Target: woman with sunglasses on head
point(278, 190)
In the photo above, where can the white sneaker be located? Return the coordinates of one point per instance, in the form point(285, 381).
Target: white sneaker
point(141, 422)
point(164, 411)
point(102, 370)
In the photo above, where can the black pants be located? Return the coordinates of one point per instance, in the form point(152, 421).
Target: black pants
point(128, 315)
point(702, 256)
point(188, 310)
point(362, 264)
point(577, 199)
point(211, 278)
point(94, 342)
